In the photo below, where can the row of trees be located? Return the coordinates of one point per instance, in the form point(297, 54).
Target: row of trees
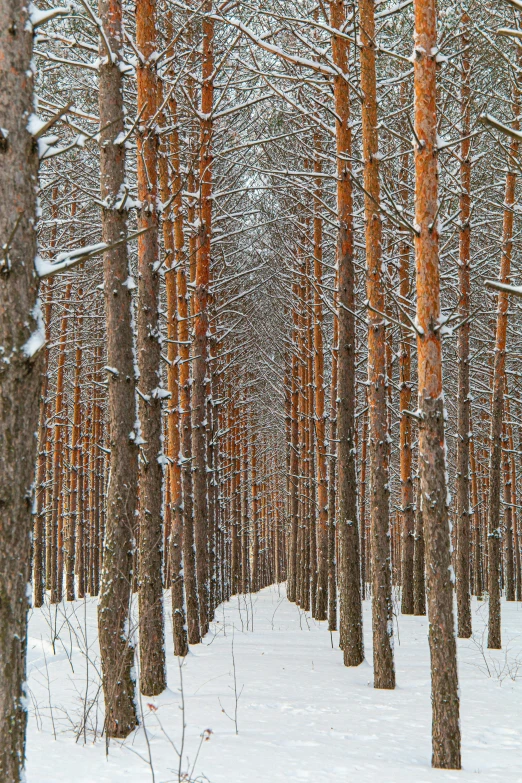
point(294, 212)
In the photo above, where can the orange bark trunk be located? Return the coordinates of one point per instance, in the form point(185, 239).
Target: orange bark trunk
point(444, 681)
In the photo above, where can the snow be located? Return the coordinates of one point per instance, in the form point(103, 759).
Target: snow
point(37, 339)
point(301, 715)
point(509, 289)
point(160, 394)
point(129, 283)
point(35, 124)
point(66, 260)
point(38, 18)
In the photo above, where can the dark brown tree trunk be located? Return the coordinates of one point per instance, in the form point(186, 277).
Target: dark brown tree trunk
point(94, 484)
point(114, 622)
point(235, 565)
point(294, 459)
point(514, 496)
point(497, 400)
point(405, 382)
point(478, 580)
point(189, 562)
point(362, 495)
point(75, 488)
point(508, 526)
point(152, 648)
point(419, 576)
point(349, 560)
point(321, 593)
point(81, 529)
point(311, 514)
point(255, 518)
point(382, 608)
point(21, 338)
point(464, 402)
point(212, 486)
point(58, 449)
point(44, 439)
point(201, 325)
point(332, 477)
point(245, 533)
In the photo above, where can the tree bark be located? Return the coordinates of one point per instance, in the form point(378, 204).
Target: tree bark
point(477, 546)
point(235, 565)
point(407, 495)
point(362, 495)
point(311, 499)
point(255, 517)
point(44, 439)
point(332, 465)
point(201, 323)
point(150, 594)
point(321, 596)
point(76, 437)
point(114, 622)
point(294, 468)
point(443, 649)
point(514, 496)
point(173, 243)
point(508, 525)
point(382, 608)
point(419, 575)
point(349, 565)
point(464, 402)
point(497, 398)
point(58, 449)
point(189, 562)
point(21, 337)
point(245, 521)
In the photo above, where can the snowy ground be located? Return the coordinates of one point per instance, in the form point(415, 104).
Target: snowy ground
point(301, 715)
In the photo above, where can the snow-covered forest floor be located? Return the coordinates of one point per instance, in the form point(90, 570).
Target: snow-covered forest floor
point(271, 671)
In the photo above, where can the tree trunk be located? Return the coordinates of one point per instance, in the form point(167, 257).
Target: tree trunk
point(497, 399)
point(21, 338)
point(201, 324)
point(76, 437)
point(349, 565)
point(514, 496)
point(443, 649)
point(293, 577)
point(59, 430)
point(321, 597)
point(235, 565)
point(114, 622)
point(332, 464)
point(405, 383)
point(44, 440)
point(245, 533)
point(508, 525)
point(419, 574)
point(362, 495)
point(464, 402)
point(152, 648)
point(382, 608)
point(255, 517)
point(189, 563)
point(173, 242)
point(311, 514)
point(294, 468)
point(477, 547)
